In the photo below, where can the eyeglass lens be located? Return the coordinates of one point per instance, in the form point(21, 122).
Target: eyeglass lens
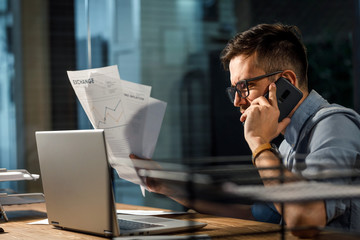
point(241, 88)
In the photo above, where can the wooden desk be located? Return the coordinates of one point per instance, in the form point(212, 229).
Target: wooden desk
point(217, 228)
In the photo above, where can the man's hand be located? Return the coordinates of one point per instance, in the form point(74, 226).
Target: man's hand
point(261, 125)
point(147, 164)
point(153, 184)
point(160, 186)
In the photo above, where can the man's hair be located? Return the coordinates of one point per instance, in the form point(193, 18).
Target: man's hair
point(276, 47)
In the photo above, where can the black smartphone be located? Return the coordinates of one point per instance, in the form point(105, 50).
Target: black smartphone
point(287, 96)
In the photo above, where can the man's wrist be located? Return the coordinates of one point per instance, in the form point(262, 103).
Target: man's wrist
point(255, 142)
point(262, 148)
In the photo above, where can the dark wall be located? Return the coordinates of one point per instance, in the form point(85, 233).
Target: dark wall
point(328, 28)
point(62, 59)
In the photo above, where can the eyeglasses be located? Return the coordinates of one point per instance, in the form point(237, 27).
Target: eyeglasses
point(242, 87)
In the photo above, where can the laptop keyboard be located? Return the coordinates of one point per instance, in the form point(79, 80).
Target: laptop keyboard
point(132, 225)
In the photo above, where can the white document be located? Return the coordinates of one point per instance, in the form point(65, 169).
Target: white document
point(40, 222)
point(130, 118)
point(12, 175)
point(147, 212)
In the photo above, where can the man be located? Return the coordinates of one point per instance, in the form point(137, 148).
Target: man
point(330, 143)
point(256, 58)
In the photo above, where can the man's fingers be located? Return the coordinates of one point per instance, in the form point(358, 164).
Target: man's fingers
point(243, 117)
point(260, 101)
point(283, 124)
point(133, 156)
point(272, 95)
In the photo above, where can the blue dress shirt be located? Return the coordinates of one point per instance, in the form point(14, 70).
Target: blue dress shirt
point(333, 143)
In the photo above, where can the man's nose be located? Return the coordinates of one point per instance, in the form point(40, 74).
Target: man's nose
point(238, 101)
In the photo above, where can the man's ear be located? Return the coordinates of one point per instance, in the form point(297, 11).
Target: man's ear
point(291, 76)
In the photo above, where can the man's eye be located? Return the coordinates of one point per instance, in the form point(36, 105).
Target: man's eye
point(240, 85)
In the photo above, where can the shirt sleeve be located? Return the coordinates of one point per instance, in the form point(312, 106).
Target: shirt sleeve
point(334, 147)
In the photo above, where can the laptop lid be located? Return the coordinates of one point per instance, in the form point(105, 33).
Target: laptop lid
point(76, 181)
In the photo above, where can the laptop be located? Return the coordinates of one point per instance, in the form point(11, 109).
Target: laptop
point(78, 190)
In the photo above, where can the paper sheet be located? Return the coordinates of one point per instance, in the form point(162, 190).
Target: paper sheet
point(147, 212)
point(40, 222)
point(130, 118)
point(12, 175)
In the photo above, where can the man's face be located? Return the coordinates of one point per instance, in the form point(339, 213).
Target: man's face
point(242, 68)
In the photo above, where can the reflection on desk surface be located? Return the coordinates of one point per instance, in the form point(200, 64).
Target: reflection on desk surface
point(217, 228)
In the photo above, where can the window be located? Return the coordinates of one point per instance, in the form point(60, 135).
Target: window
point(172, 45)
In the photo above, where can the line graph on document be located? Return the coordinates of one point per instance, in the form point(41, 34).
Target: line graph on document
point(107, 114)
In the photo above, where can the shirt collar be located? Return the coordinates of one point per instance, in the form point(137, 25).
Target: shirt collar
point(306, 109)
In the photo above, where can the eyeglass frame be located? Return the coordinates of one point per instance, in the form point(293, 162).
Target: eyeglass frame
point(230, 90)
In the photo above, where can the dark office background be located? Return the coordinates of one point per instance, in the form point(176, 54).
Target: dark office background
point(40, 40)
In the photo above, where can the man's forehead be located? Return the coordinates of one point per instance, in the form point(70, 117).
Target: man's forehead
point(243, 66)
